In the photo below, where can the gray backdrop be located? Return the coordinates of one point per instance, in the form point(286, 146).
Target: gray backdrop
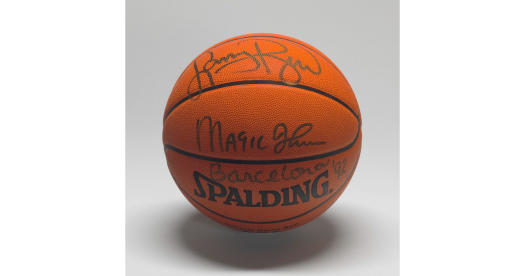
point(165, 235)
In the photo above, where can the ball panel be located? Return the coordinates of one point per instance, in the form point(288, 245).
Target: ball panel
point(282, 122)
point(291, 210)
point(283, 59)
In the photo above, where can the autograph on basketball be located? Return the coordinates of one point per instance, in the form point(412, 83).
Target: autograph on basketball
point(239, 141)
point(256, 60)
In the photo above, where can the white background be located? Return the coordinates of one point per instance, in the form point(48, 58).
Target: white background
point(357, 235)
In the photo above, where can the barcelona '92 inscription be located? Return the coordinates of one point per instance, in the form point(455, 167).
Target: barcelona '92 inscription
point(215, 191)
point(281, 139)
point(284, 173)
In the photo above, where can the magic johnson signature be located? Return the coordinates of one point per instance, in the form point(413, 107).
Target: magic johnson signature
point(256, 58)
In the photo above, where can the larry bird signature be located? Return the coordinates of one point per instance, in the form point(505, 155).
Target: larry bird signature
point(256, 58)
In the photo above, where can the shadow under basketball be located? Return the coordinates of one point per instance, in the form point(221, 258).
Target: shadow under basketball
point(248, 250)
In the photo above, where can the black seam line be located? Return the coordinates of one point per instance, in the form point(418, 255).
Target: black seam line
point(304, 87)
point(345, 183)
point(264, 162)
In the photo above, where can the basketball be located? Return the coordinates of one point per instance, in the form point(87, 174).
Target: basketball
point(262, 133)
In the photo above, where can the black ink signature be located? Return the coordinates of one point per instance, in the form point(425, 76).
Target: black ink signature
point(215, 65)
point(243, 141)
point(281, 132)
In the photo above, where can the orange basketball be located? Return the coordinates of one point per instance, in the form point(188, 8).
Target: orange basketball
point(262, 133)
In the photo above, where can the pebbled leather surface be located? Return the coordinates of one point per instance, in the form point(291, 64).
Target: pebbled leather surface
point(262, 133)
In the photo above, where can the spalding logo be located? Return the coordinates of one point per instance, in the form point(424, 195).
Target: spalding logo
point(217, 190)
